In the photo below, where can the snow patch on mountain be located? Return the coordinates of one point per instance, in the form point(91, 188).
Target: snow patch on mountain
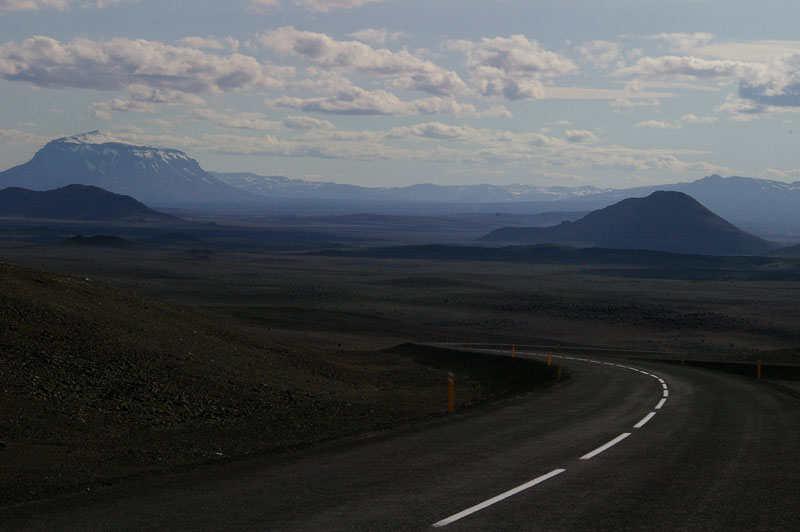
point(91, 137)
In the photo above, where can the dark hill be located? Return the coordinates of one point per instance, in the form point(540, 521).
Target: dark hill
point(791, 252)
point(663, 221)
point(76, 202)
point(98, 241)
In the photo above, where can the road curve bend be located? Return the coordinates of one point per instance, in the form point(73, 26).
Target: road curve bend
point(618, 446)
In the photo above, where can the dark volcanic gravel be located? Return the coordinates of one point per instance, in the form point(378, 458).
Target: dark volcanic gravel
point(100, 385)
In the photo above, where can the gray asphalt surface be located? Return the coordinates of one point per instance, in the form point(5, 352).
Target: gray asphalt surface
point(723, 453)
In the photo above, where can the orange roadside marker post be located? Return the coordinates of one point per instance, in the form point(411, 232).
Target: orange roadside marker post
point(513, 352)
point(451, 392)
point(549, 358)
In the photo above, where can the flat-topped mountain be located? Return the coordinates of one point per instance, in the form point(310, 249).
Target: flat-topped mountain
point(76, 202)
point(663, 221)
point(147, 173)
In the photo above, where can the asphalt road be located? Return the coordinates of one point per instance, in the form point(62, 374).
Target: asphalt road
point(721, 453)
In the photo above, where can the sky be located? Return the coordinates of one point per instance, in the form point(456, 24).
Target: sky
point(611, 93)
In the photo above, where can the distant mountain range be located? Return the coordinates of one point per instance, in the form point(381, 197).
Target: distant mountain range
point(164, 176)
point(76, 202)
point(283, 187)
point(759, 205)
point(663, 221)
point(149, 174)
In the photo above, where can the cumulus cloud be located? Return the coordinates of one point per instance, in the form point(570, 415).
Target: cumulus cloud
point(495, 111)
point(357, 101)
point(15, 136)
point(143, 99)
point(251, 121)
point(625, 103)
point(694, 119)
point(61, 5)
point(409, 71)
point(683, 42)
point(210, 43)
point(580, 136)
point(375, 36)
point(655, 124)
point(448, 143)
point(600, 54)
point(121, 63)
point(306, 122)
point(783, 174)
point(685, 119)
point(511, 67)
point(323, 6)
point(688, 67)
point(775, 83)
point(261, 7)
point(742, 110)
point(436, 130)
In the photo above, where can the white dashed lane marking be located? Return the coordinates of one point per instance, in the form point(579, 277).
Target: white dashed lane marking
point(587, 456)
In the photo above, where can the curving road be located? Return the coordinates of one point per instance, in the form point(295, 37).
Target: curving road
point(645, 447)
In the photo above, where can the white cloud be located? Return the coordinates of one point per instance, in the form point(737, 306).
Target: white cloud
point(495, 111)
point(743, 110)
point(261, 7)
point(409, 71)
point(251, 121)
point(210, 43)
point(375, 36)
point(581, 136)
point(624, 103)
point(601, 54)
point(15, 136)
point(60, 5)
point(655, 124)
point(753, 50)
point(683, 42)
point(688, 67)
point(323, 6)
point(370, 35)
point(436, 130)
point(120, 63)
point(685, 119)
point(694, 119)
point(103, 110)
point(357, 101)
point(774, 84)
point(793, 173)
point(512, 67)
point(143, 99)
point(306, 122)
point(448, 144)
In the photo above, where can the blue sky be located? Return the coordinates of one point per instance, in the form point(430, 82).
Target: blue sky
point(382, 92)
